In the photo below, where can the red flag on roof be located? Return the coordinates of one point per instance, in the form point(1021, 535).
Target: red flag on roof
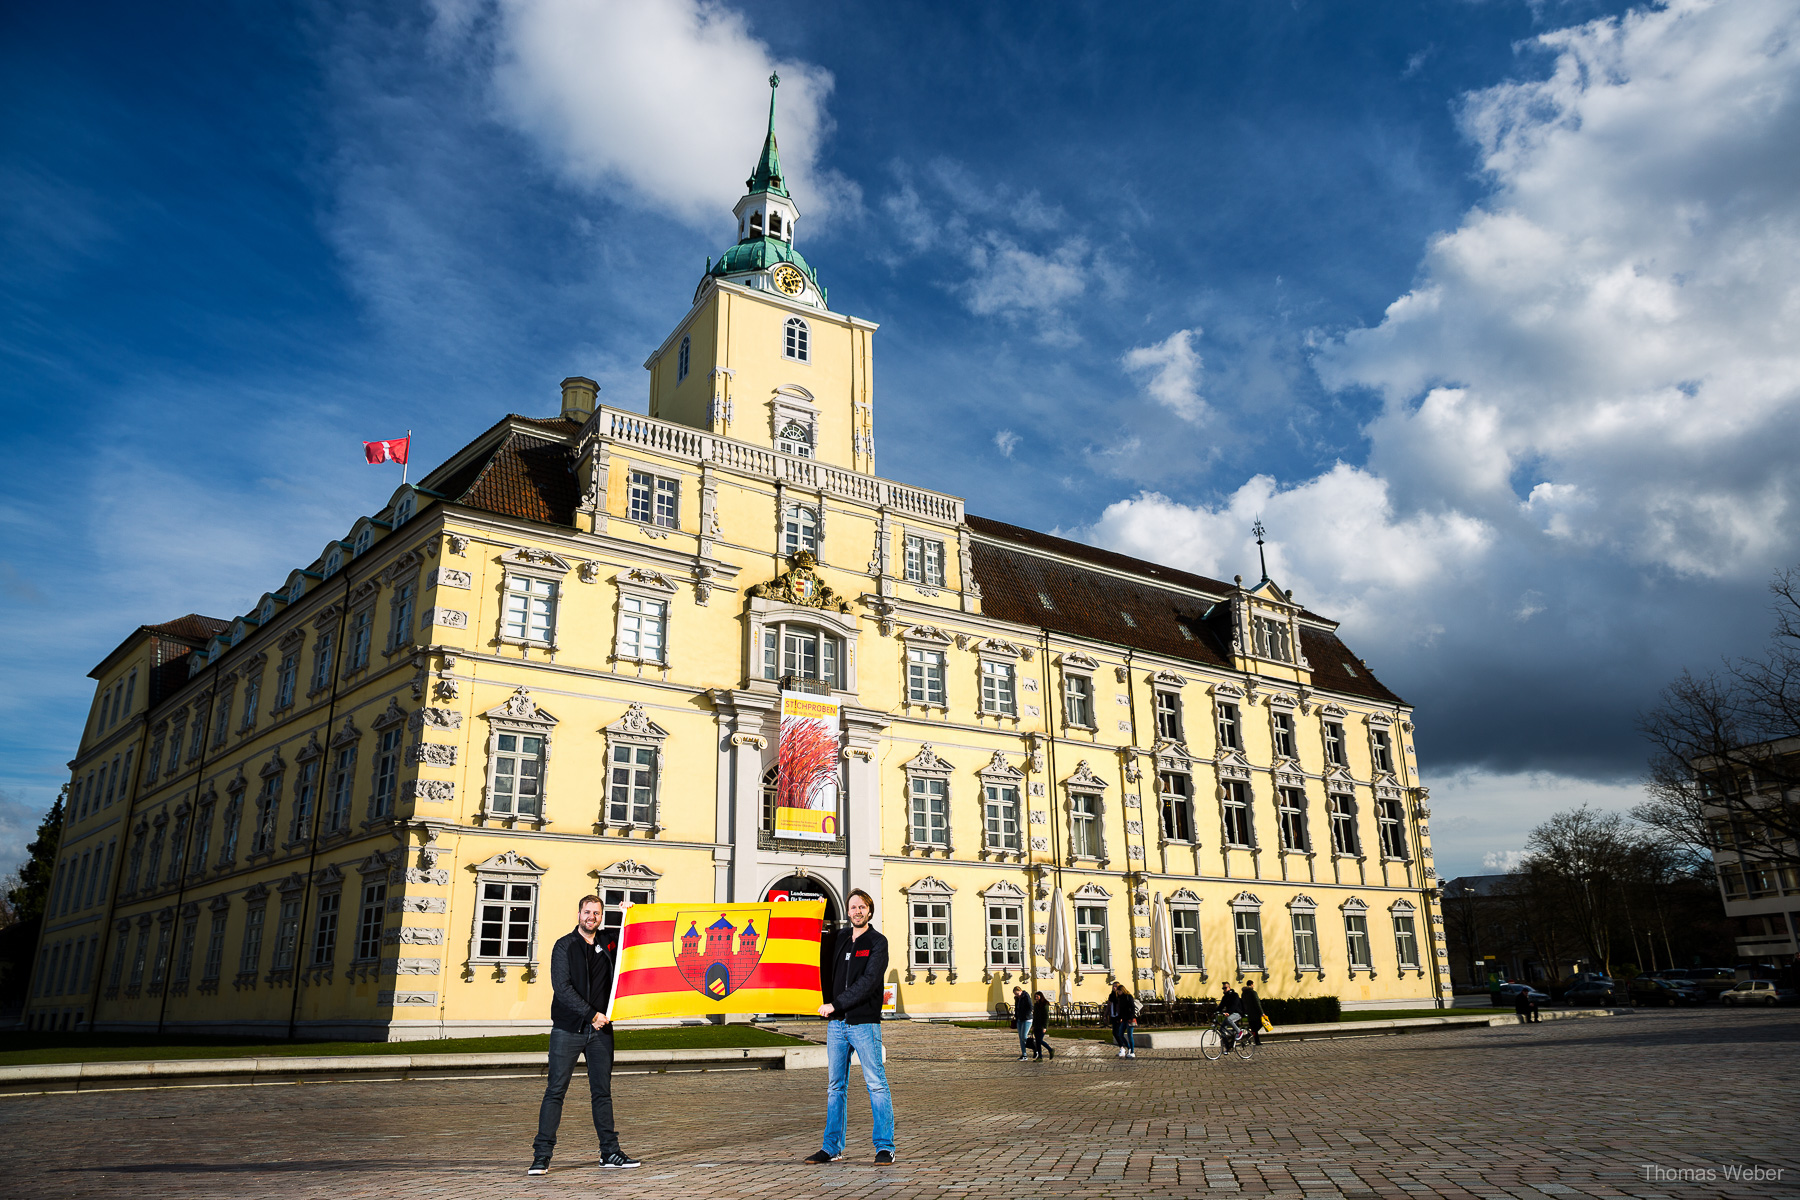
point(392, 450)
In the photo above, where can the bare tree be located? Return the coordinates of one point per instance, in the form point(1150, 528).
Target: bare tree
point(1725, 750)
point(1582, 860)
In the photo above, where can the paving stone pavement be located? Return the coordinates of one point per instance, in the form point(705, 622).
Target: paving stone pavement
point(1571, 1108)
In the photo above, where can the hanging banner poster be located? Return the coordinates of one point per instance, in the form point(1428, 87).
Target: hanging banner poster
point(806, 796)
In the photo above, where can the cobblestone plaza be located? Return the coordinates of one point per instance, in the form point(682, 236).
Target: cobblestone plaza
point(1565, 1108)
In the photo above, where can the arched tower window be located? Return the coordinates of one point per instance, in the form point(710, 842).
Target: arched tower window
point(796, 439)
point(756, 225)
point(774, 224)
point(681, 359)
point(797, 341)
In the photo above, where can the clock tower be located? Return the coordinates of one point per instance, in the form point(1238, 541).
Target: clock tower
point(760, 357)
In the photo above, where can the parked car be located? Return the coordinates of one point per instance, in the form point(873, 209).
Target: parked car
point(1508, 995)
point(1714, 981)
point(1647, 990)
point(1758, 991)
point(1595, 991)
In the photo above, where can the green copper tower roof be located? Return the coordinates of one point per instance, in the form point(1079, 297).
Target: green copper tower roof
point(767, 176)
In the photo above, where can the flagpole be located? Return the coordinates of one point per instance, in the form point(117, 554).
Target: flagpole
point(407, 465)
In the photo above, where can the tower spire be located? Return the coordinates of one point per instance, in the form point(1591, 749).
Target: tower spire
point(767, 176)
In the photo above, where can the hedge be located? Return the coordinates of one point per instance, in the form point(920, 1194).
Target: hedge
point(1314, 1010)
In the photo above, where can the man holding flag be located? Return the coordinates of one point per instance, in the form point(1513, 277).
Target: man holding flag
point(581, 982)
point(851, 987)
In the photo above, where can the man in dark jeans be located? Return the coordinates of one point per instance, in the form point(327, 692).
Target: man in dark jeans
point(1253, 1013)
point(850, 984)
point(581, 978)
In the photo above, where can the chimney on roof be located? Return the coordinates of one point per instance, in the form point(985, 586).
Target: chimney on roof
point(579, 396)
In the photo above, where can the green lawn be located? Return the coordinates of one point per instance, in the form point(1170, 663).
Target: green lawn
point(1401, 1014)
point(21, 1049)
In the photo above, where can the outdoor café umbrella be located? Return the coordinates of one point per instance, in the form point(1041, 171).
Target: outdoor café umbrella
point(1062, 954)
point(1162, 946)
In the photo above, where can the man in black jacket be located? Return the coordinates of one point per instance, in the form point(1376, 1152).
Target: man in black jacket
point(581, 978)
point(851, 986)
point(1253, 1013)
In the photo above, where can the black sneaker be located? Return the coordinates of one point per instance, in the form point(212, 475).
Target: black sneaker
point(819, 1156)
point(539, 1166)
point(883, 1157)
point(619, 1159)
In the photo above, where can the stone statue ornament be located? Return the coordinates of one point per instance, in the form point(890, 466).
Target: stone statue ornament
point(801, 586)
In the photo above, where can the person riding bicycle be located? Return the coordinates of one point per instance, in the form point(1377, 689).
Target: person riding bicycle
point(1232, 1008)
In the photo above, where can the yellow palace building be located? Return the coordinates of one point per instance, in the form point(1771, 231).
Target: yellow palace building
point(554, 666)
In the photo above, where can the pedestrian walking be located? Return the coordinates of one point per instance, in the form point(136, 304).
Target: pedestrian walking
point(1123, 1011)
point(1040, 1025)
point(581, 979)
point(1253, 1013)
point(1022, 1020)
point(852, 1012)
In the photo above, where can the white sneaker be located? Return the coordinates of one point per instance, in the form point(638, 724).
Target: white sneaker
point(1131, 1054)
point(1121, 1052)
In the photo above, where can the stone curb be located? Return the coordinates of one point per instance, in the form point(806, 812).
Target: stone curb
point(43, 1078)
point(1190, 1039)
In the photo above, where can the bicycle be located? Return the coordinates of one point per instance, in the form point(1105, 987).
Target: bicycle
point(1220, 1039)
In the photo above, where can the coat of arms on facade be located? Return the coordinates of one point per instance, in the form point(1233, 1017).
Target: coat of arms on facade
point(801, 586)
point(720, 959)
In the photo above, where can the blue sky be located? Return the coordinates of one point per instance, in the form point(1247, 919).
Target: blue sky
point(1487, 308)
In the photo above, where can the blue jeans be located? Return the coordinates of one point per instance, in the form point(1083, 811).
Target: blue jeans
point(1024, 1037)
point(840, 1039)
point(596, 1045)
point(1125, 1035)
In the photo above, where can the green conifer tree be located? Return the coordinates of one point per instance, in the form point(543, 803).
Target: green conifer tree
point(33, 893)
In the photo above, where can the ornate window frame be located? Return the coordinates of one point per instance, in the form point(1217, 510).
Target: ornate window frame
point(1083, 782)
point(1076, 665)
point(328, 881)
point(624, 876)
point(1389, 799)
point(917, 568)
point(251, 940)
point(1334, 716)
point(1227, 781)
point(1303, 904)
point(519, 715)
point(633, 731)
point(1004, 892)
point(776, 615)
point(402, 580)
point(1247, 902)
point(1098, 897)
point(1339, 786)
point(930, 891)
point(372, 872)
point(268, 807)
point(999, 773)
point(287, 671)
point(310, 755)
point(1171, 763)
point(1403, 909)
point(231, 825)
point(926, 765)
point(1292, 785)
point(1169, 685)
point(796, 341)
point(1185, 900)
point(507, 869)
point(538, 566)
point(792, 404)
point(340, 772)
point(388, 759)
point(1354, 907)
point(354, 661)
point(926, 640)
point(643, 586)
point(1000, 653)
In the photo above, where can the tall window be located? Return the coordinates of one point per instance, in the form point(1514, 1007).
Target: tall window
point(1343, 824)
point(400, 613)
point(135, 863)
point(387, 774)
point(1406, 942)
point(252, 696)
point(508, 913)
point(518, 768)
point(1090, 936)
point(1274, 638)
point(1078, 700)
point(1247, 925)
point(1306, 942)
point(159, 965)
point(228, 835)
point(1168, 715)
point(1383, 750)
point(1084, 825)
point(614, 901)
point(130, 691)
point(930, 812)
point(1006, 935)
point(342, 786)
point(1334, 744)
point(1002, 816)
point(287, 935)
point(925, 676)
point(998, 695)
point(306, 787)
point(1184, 928)
point(153, 864)
point(681, 358)
point(632, 797)
point(803, 652)
point(1393, 837)
point(199, 735)
point(137, 960)
point(799, 530)
point(325, 929)
point(795, 437)
point(322, 660)
point(370, 922)
point(1284, 735)
point(643, 628)
point(1290, 804)
point(796, 340)
point(530, 609)
point(215, 948)
point(1237, 813)
point(924, 561)
point(1356, 934)
point(250, 956)
point(362, 634)
point(1177, 806)
point(285, 675)
point(1230, 737)
point(654, 500)
point(930, 932)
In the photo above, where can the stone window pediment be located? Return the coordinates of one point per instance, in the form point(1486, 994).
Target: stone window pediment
point(1003, 889)
point(290, 640)
point(392, 716)
point(628, 871)
point(295, 882)
point(999, 770)
point(1245, 901)
point(237, 783)
point(643, 580)
point(998, 648)
point(1084, 780)
point(221, 903)
point(929, 885)
point(1090, 891)
point(1283, 700)
point(401, 567)
point(1379, 720)
point(1233, 765)
point(529, 560)
point(1402, 907)
point(311, 750)
point(377, 863)
point(509, 862)
point(929, 634)
point(1079, 661)
point(1303, 903)
point(348, 735)
point(635, 725)
point(274, 766)
point(1184, 896)
point(1354, 905)
point(1227, 691)
point(364, 592)
point(1334, 712)
point(257, 893)
point(1168, 679)
point(927, 762)
point(520, 709)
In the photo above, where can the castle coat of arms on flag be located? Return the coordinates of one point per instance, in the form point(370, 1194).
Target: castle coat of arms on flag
point(688, 960)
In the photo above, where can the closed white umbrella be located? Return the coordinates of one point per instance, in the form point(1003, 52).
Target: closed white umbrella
point(1062, 952)
point(1162, 946)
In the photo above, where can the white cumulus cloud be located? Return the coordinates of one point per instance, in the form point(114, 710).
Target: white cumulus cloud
point(1171, 372)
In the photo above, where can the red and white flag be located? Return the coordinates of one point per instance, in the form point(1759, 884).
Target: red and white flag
point(392, 450)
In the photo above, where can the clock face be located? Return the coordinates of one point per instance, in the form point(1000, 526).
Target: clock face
point(789, 279)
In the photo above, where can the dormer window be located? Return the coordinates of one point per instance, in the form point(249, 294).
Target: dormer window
point(403, 511)
point(363, 540)
point(1274, 638)
point(266, 613)
point(796, 341)
point(333, 561)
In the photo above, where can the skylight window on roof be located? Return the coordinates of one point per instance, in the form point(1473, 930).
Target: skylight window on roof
point(1128, 619)
point(1044, 599)
point(1186, 632)
point(1351, 670)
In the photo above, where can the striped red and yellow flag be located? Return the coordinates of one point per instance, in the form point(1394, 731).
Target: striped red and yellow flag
point(690, 960)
